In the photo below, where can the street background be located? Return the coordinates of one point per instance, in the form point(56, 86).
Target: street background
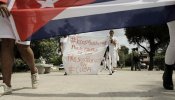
point(122, 85)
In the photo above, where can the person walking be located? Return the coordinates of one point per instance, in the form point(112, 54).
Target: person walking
point(169, 59)
point(7, 51)
point(136, 59)
point(63, 42)
point(106, 62)
point(112, 49)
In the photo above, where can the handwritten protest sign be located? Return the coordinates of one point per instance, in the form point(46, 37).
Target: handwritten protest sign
point(83, 54)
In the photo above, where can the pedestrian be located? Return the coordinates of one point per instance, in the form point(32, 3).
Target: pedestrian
point(63, 42)
point(28, 56)
point(7, 51)
point(136, 59)
point(169, 59)
point(106, 62)
point(112, 49)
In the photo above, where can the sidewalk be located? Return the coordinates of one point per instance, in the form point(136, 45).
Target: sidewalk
point(122, 85)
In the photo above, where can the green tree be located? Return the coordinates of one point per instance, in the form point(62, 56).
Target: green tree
point(48, 49)
point(159, 61)
point(156, 36)
point(123, 51)
point(128, 60)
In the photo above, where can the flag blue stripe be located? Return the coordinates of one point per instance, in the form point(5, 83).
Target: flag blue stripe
point(115, 20)
point(100, 1)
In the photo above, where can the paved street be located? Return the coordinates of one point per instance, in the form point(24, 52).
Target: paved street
point(122, 85)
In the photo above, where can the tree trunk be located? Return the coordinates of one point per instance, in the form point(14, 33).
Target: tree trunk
point(151, 63)
point(152, 53)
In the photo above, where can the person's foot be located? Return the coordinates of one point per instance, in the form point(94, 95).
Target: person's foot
point(35, 80)
point(5, 90)
point(113, 71)
point(65, 73)
point(167, 77)
point(167, 82)
point(110, 74)
point(0, 77)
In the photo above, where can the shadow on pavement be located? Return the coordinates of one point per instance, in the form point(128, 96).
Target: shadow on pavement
point(18, 89)
point(151, 93)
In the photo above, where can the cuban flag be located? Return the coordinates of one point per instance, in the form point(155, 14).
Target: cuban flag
point(39, 19)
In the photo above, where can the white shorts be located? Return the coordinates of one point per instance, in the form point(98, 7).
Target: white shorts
point(23, 42)
point(6, 31)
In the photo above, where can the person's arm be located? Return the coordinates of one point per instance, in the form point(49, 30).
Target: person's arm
point(117, 44)
point(114, 41)
point(4, 12)
point(61, 45)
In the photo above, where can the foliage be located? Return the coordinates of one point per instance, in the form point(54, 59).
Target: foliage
point(159, 33)
point(128, 60)
point(121, 57)
point(159, 61)
point(156, 36)
point(56, 60)
point(123, 51)
point(48, 49)
point(20, 66)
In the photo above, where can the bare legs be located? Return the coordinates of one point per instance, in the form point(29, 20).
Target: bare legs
point(28, 56)
point(7, 58)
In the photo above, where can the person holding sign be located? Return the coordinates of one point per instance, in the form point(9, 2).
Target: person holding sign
point(112, 49)
point(63, 42)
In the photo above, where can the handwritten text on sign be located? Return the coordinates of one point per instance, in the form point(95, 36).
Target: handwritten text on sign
point(83, 54)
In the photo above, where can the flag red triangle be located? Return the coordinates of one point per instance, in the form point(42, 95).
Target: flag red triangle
point(29, 17)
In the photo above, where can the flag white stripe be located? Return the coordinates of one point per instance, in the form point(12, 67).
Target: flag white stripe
point(10, 5)
point(114, 6)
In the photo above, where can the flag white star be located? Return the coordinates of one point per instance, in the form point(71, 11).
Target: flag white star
point(47, 3)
